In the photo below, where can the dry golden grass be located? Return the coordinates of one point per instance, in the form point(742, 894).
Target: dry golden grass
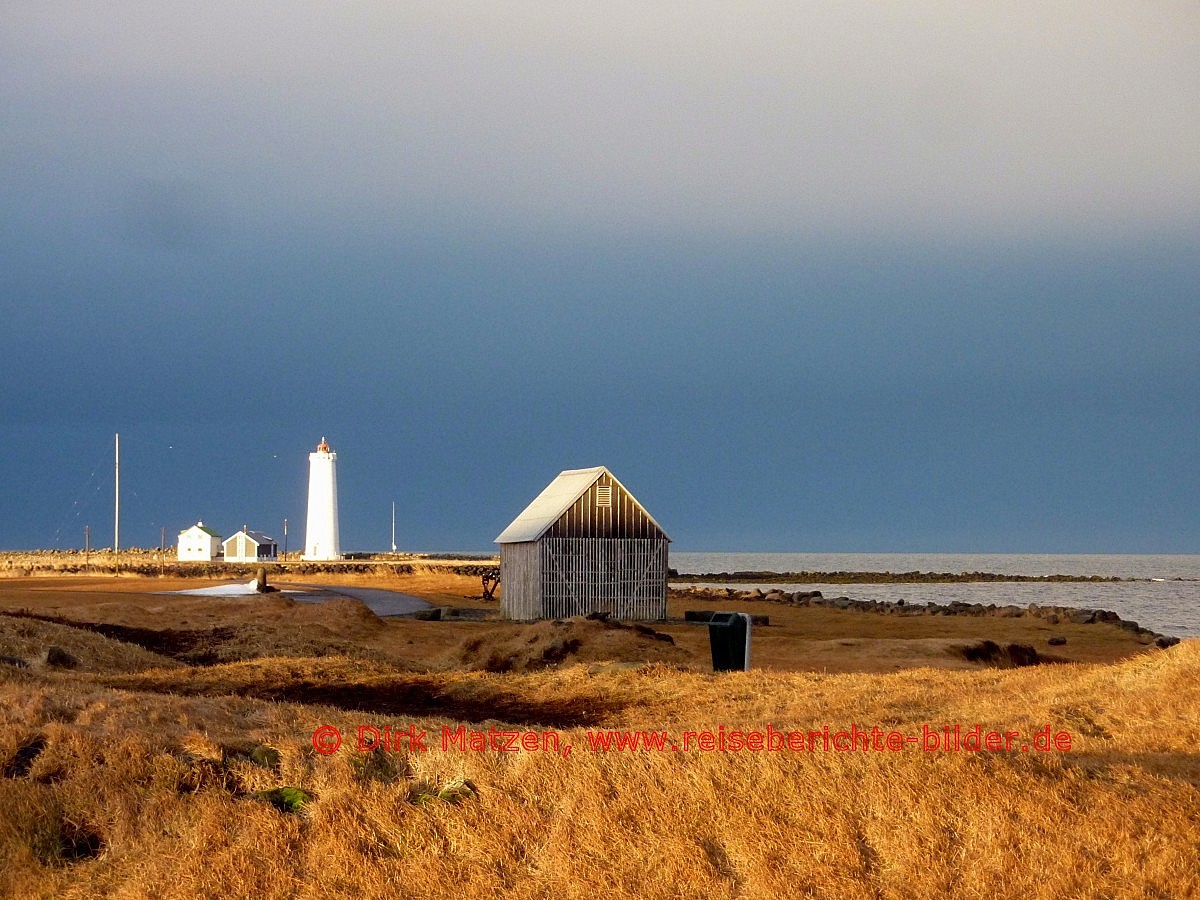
point(540, 645)
point(161, 784)
point(136, 776)
point(29, 640)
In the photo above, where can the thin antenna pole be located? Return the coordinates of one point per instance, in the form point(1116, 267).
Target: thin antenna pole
point(393, 526)
point(87, 547)
point(117, 502)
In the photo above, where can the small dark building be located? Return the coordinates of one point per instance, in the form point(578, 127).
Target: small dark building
point(584, 545)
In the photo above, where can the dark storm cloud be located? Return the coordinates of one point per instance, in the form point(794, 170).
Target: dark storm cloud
point(819, 276)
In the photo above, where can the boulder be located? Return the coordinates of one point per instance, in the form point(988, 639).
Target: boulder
point(60, 658)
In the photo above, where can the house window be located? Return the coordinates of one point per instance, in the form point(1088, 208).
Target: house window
point(604, 495)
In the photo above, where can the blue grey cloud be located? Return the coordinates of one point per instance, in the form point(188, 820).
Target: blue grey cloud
point(807, 276)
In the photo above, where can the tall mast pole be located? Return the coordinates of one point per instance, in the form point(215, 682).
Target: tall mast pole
point(117, 500)
point(393, 526)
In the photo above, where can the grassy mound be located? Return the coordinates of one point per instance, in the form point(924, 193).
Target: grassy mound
point(54, 645)
point(218, 630)
point(540, 645)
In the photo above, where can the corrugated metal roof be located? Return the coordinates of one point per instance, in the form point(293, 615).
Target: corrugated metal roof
point(557, 497)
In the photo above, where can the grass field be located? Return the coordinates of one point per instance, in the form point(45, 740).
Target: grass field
point(170, 752)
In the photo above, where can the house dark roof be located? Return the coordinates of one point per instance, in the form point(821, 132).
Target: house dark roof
point(257, 536)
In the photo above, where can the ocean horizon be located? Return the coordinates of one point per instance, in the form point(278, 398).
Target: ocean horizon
point(1116, 565)
point(1158, 591)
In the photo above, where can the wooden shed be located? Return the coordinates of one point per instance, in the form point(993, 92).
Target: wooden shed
point(584, 545)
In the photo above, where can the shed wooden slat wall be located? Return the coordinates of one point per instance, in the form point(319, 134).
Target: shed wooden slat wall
point(603, 554)
point(520, 597)
point(623, 577)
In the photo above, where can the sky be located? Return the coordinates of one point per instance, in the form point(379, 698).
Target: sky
point(806, 276)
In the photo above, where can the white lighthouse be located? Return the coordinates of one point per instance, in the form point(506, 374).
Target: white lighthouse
point(321, 534)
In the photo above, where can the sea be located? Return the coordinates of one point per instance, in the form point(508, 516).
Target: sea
point(1159, 592)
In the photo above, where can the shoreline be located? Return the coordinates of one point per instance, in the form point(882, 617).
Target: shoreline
point(1050, 614)
point(806, 632)
point(914, 577)
point(436, 571)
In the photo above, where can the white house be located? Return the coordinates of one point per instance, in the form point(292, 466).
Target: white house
point(199, 544)
point(250, 546)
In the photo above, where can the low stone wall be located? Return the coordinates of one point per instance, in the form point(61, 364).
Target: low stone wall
point(151, 563)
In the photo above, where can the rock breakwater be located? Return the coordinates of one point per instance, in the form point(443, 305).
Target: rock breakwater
point(1053, 615)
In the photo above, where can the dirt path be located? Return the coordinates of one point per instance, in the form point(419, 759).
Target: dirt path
point(379, 601)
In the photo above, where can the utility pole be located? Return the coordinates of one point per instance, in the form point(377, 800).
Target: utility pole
point(117, 504)
point(87, 547)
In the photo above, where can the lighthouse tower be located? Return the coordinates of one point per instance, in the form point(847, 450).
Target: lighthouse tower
point(321, 535)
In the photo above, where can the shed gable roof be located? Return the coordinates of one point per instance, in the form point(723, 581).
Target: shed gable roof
point(554, 500)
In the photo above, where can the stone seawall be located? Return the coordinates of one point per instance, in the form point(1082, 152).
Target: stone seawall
point(150, 563)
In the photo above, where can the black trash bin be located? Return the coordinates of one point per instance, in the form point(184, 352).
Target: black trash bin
point(729, 638)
